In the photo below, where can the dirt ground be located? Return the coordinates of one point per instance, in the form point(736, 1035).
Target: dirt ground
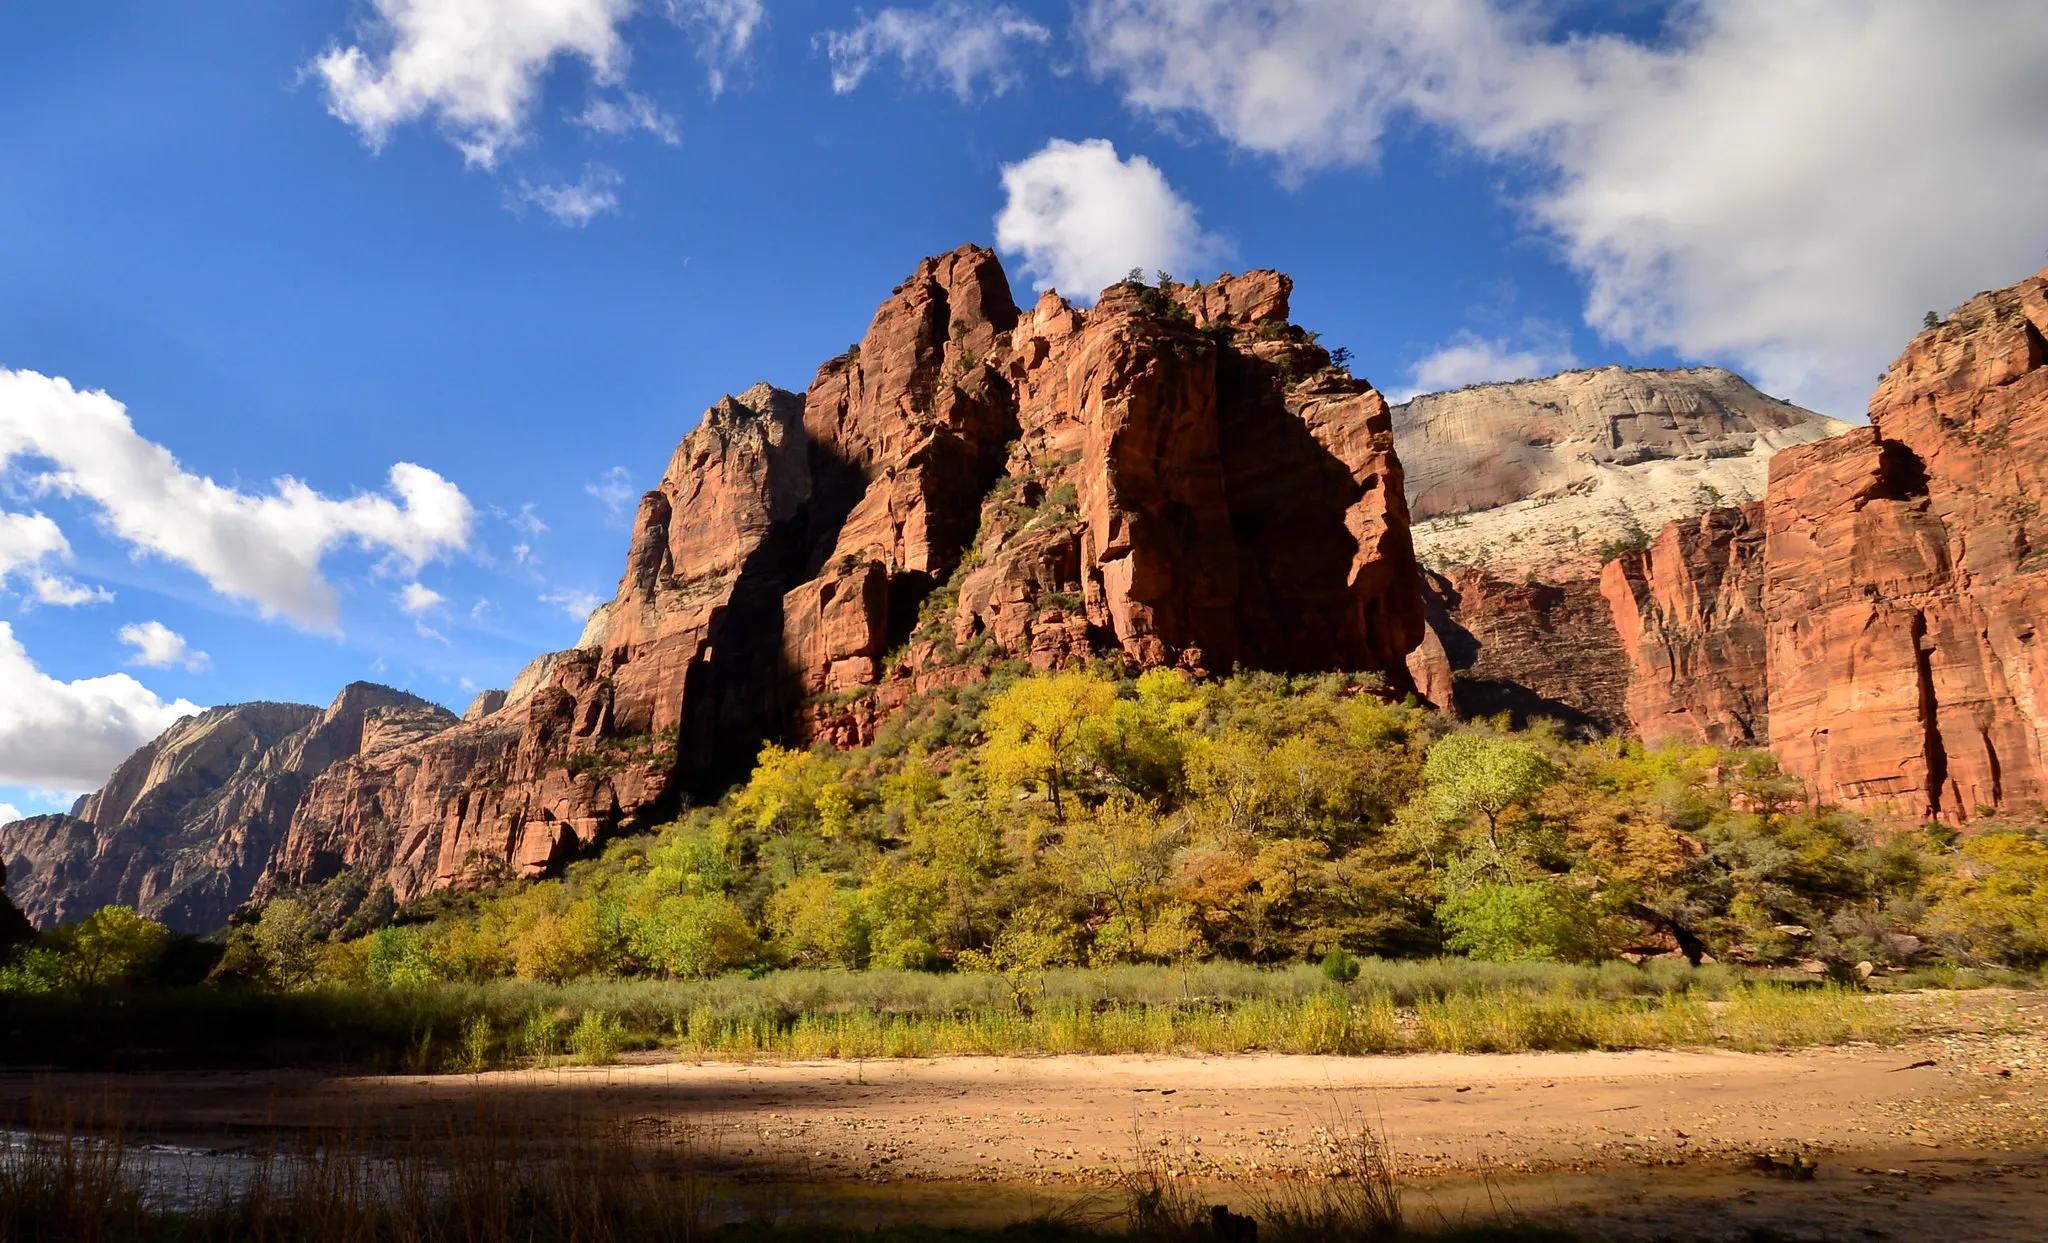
point(1947, 1134)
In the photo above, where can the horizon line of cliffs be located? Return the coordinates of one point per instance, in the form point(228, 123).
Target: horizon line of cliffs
point(1180, 477)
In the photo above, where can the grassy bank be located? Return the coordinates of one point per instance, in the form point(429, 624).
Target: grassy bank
point(1448, 1005)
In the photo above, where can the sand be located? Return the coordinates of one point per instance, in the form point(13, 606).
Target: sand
point(1948, 1132)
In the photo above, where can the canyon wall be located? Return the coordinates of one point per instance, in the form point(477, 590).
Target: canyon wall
point(1907, 576)
point(1174, 476)
point(1523, 491)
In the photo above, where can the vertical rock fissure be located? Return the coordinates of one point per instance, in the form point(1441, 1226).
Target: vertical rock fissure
point(1930, 723)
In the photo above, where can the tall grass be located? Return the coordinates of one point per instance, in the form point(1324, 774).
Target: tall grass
point(1441, 1005)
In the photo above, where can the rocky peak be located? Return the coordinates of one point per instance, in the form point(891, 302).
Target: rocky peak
point(1539, 476)
point(190, 761)
point(184, 826)
point(1175, 475)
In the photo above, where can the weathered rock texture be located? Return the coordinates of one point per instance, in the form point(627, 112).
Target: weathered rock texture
point(1907, 578)
point(1178, 476)
point(1521, 491)
point(1538, 476)
point(184, 827)
point(1689, 614)
point(1528, 648)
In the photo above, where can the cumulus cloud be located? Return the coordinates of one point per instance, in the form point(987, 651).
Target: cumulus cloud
point(264, 549)
point(572, 203)
point(69, 735)
point(629, 113)
point(29, 545)
point(1081, 217)
point(577, 604)
point(9, 813)
point(1468, 358)
point(955, 43)
point(1784, 186)
point(474, 67)
point(157, 646)
point(417, 598)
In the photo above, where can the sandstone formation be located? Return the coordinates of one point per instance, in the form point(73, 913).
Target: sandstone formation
point(184, 827)
point(1522, 491)
point(1907, 577)
point(1176, 476)
point(1539, 476)
point(1527, 648)
point(1689, 614)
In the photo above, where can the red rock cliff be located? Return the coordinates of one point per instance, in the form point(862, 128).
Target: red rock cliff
point(1179, 476)
point(1689, 614)
point(1908, 575)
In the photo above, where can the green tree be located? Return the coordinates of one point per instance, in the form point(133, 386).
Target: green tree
point(690, 937)
point(1532, 921)
point(817, 923)
point(1039, 730)
point(402, 956)
point(113, 945)
point(287, 936)
point(1993, 905)
point(1470, 774)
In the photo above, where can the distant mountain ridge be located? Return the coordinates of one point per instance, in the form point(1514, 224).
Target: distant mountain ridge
point(184, 827)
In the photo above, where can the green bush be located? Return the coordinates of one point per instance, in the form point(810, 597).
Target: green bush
point(598, 1038)
point(1538, 921)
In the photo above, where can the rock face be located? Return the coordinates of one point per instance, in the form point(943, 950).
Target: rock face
point(1537, 476)
point(1907, 576)
point(184, 827)
point(1528, 648)
point(1522, 491)
point(14, 926)
point(1177, 476)
point(1689, 613)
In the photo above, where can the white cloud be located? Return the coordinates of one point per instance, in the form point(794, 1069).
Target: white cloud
point(265, 549)
point(528, 521)
point(627, 114)
point(157, 646)
point(1783, 186)
point(29, 544)
point(954, 42)
point(70, 735)
point(474, 66)
point(725, 30)
point(1468, 358)
point(1082, 218)
point(577, 604)
point(9, 813)
point(573, 203)
point(419, 598)
point(66, 594)
point(614, 488)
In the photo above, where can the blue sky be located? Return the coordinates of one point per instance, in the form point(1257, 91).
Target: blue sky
point(317, 240)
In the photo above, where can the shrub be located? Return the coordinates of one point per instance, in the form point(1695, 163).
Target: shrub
point(1535, 921)
point(1339, 967)
point(597, 1039)
point(402, 957)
